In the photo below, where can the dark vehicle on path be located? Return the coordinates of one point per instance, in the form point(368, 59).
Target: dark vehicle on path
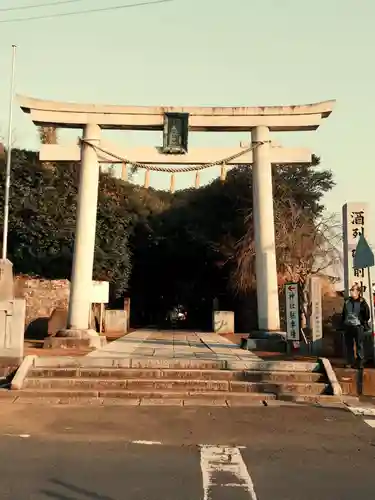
point(176, 317)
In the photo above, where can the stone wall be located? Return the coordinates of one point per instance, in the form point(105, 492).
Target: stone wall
point(42, 296)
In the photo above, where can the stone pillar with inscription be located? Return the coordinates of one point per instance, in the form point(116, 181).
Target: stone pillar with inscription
point(355, 222)
point(315, 319)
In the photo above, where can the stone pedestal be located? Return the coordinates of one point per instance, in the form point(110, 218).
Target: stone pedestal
point(268, 341)
point(6, 280)
point(116, 321)
point(75, 343)
point(12, 328)
point(76, 338)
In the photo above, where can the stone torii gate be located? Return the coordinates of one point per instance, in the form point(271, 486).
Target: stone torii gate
point(93, 150)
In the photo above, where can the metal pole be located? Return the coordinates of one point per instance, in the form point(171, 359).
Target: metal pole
point(101, 317)
point(371, 306)
point(9, 158)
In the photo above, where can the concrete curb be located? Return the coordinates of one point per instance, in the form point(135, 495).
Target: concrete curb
point(336, 387)
point(21, 374)
point(280, 366)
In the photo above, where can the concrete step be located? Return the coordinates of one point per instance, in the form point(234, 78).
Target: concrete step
point(283, 387)
point(167, 398)
point(177, 364)
point(310, 398)
point(144, 397)
point(88, 384)
point(185, 374)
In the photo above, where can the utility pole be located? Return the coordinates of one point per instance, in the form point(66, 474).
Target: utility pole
point(9, 157)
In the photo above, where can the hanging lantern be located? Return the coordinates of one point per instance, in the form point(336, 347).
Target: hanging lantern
point(176, 131)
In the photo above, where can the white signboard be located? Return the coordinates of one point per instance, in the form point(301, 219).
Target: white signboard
point(100, 292)
point(316, 315)
point(292, 312)
point(355, 223)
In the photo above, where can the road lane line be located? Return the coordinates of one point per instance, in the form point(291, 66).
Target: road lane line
point(239, 447)
point(24, 436)
point(370, 422)
point(150, 443)
point(364, 411)
point(219, 462)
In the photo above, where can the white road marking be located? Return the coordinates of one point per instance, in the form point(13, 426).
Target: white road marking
point(239, 447)
point(24, 436)
point(365, 411)
point(150, 443)
point(222, 461)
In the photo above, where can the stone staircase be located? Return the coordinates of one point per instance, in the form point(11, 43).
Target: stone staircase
point(176, 382)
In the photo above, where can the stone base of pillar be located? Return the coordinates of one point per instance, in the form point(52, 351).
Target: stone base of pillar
point(77, 333)
point(268, 341)
point(77, 339)
point(72, 343)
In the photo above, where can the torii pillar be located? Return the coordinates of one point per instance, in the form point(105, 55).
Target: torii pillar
point(81, 284)
point(84, 243)
point(264, 232)
point(261, 121)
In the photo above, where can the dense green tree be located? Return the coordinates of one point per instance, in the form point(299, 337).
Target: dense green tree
point(42, 221)
point(202, 246)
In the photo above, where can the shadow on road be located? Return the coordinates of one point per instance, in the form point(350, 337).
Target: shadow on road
point(71, 492)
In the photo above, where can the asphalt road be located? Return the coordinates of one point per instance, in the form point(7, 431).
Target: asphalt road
point(285, 453)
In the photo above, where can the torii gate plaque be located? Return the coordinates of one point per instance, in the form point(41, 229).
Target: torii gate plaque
point(260, 121)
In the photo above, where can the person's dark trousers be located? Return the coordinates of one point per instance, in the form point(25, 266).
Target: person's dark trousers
point(354, 336)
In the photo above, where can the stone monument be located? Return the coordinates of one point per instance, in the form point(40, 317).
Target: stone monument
point(12, 317)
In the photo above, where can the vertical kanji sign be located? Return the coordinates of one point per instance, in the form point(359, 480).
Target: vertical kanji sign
point(292, 312)
point(316, 313)
point(355, 218)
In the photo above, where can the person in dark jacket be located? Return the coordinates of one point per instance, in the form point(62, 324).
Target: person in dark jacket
point(355, 318)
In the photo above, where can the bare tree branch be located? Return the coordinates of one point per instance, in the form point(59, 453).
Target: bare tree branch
point(304, 246)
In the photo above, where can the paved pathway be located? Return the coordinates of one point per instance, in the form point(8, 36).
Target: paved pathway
point(173, 344)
